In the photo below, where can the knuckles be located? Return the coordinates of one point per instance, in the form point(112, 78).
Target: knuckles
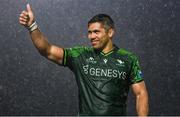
point(24, 18)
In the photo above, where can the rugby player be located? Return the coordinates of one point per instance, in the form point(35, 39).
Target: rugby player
point(104, 72)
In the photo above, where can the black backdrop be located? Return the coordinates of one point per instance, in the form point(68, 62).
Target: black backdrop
point(32, 85)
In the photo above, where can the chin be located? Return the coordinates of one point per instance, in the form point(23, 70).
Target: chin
point(96, 47)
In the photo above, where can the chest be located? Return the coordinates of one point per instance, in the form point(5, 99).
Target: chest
point(101, 67)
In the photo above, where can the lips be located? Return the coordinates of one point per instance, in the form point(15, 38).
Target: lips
point(94, 42)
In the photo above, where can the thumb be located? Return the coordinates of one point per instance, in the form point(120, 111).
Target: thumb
point(29, 9)
point(30, 14)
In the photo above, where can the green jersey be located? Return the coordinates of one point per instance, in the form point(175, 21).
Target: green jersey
point(103, 79)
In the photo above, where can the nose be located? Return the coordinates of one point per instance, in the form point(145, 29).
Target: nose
point(91, 35)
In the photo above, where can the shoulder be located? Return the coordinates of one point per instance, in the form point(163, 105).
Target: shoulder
point(127, 54)
point(77, 50)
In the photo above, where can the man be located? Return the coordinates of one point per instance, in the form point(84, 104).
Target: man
point(103, 72)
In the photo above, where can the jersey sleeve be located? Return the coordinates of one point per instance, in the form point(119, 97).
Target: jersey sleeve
point(70, 54)
point(136, 73)
point(66, 57)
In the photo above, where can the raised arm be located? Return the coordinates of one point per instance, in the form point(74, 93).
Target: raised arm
point(142, 106)
point(46, 49)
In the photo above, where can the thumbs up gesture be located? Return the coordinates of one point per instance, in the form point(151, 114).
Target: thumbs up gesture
point(26, 17)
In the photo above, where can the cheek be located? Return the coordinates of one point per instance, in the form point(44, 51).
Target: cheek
point(100, 36)
point(103, 37)
point(88, 36)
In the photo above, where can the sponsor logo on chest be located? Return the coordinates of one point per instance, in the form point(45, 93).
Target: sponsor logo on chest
point(96, 68)
point(103, 72)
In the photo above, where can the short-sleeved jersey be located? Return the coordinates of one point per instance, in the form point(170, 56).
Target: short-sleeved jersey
point(103, 79)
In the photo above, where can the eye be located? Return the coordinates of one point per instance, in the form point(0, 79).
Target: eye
point(96, 31)
point(89, 32)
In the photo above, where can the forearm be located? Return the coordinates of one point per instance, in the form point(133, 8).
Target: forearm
point(142, 105)
point(40, 42)
point(51, 52)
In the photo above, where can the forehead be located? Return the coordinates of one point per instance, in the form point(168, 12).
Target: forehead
point(96, 25)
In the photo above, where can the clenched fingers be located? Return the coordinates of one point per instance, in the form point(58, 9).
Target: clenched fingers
point(24, 18)
point(22, 22)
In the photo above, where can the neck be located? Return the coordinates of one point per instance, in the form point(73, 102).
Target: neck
point(108, 48)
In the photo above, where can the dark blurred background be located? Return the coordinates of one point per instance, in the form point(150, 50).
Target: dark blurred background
point(32, 85)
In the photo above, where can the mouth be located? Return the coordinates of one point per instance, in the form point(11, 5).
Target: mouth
point(94, 42)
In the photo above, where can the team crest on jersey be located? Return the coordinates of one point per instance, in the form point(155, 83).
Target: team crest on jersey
point(120, 62)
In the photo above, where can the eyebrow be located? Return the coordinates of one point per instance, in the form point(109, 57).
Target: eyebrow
point(90, 31)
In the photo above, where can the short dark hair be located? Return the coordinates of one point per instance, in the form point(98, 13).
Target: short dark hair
point(105, 19)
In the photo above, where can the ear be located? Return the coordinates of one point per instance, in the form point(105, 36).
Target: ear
point(111, 32)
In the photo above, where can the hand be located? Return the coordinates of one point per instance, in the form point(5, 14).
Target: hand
point(26, 18)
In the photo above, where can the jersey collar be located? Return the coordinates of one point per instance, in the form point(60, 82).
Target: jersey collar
point(110, 52)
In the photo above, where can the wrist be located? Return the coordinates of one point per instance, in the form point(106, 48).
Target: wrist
point(32, 27)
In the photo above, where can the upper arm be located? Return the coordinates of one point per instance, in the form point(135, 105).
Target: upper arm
point(139, 88)
point(55, 54)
